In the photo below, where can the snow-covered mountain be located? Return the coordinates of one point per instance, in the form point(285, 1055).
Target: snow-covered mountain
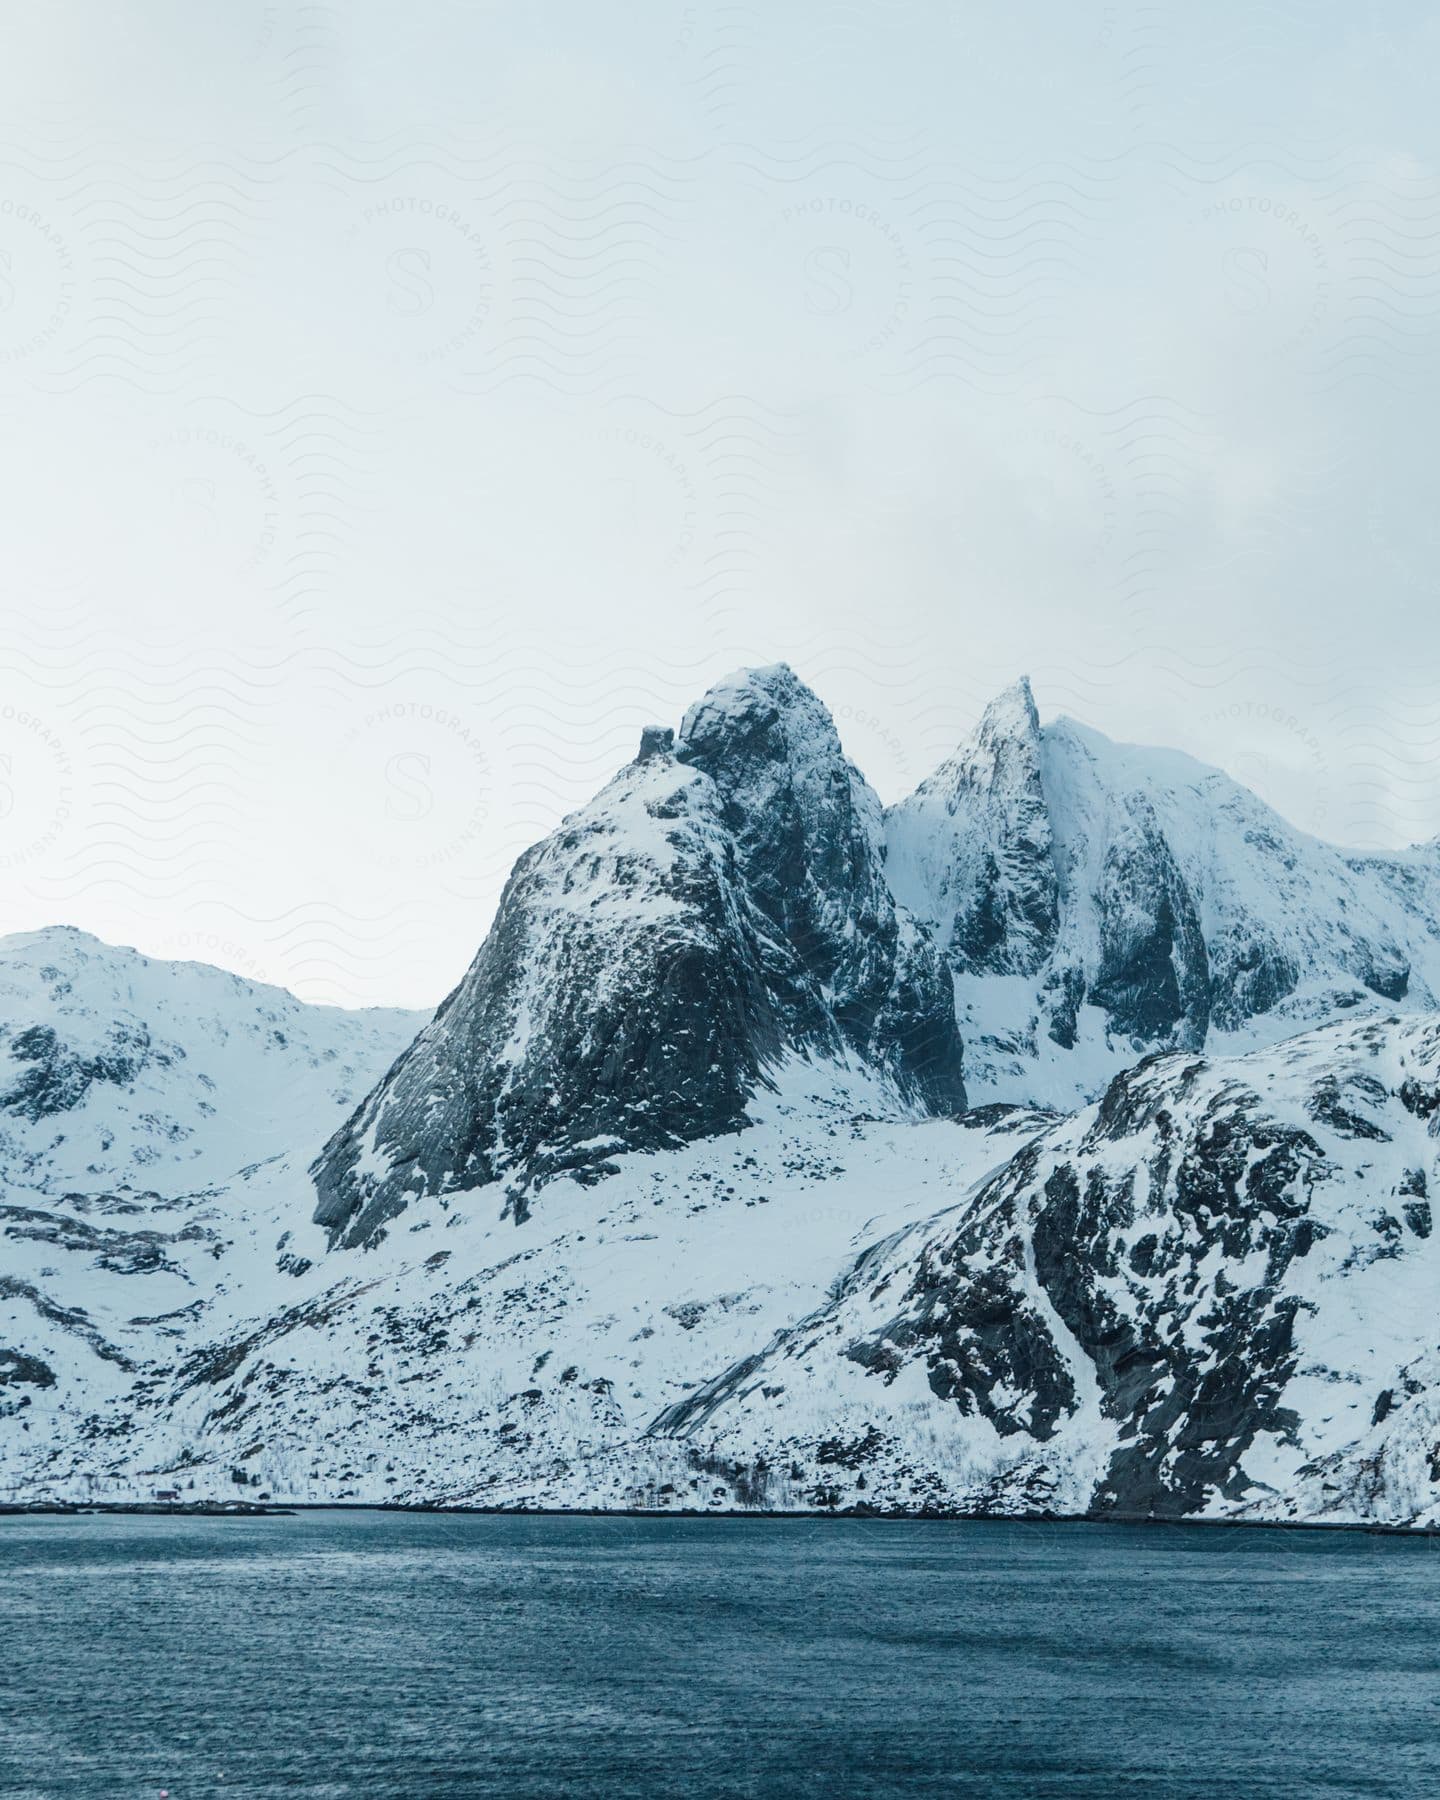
point(121, 1072)
point(151, 1114)
point(720, 908)
point(1096, 900)
point(675, 1200)
point(1214, 1291)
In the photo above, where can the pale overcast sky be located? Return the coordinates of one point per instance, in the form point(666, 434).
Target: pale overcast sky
point(403, 404)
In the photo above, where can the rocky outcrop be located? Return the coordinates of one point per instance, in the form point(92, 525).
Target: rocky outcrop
point(720, 906)
point(53, 1077)
point(849, 970)
point(1151, 977)
point(17, 1369)
point(1151, 1309)
point(618, 1002)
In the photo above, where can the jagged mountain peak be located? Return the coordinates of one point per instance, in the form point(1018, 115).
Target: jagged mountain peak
point(720, 907)
point(857, 976)
point(1013, 706)
point(808, 828)
point(1007, 738)
point(774, 682)
point(760, 731)
point(1144, 899)
point(761, 717)
point(1005, 751)
point(970, 852)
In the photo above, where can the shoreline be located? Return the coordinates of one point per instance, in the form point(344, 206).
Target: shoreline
point(221, 1509)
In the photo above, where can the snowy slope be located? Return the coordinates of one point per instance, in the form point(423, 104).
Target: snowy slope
point(145, 1107)
point(122, 1071)
point(1213, 1292)
point(461, 1357)
point(1096, 900)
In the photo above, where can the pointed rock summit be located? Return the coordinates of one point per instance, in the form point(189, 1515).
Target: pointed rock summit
point(1143, 898)
point(971, 851)
point(720, 907)
point(848, 969)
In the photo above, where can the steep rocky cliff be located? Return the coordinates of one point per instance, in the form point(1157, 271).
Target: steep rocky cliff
point(721, 906)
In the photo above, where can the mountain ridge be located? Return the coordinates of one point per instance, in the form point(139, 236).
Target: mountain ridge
point(680, 1199)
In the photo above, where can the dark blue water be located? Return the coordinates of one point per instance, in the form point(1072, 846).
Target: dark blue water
point(375, 1655)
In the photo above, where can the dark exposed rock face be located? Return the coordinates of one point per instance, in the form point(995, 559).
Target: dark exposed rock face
point(1188, 1406)
point(617, 1002)
point(719, 906)
point(985, 1349)
point(1386, 974)
point(1128, 1303)
point(55, 1078)
point(972, 853)
point(1120, 1276)
point(17, 1369)
point(1249, 975)
point(1153, 977)
point(655, 740)
point(853, 972)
